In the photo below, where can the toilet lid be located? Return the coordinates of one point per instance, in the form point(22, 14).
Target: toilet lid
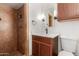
point(65, 53)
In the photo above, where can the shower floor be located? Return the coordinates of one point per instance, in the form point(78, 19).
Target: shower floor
point(16, 53)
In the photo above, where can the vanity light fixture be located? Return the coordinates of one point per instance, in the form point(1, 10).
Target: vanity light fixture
point(34, 22)
point(55, 17)
point(43, 20)
point(41, 17)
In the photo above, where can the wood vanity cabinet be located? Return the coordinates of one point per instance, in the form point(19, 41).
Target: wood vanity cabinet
point(35, 48)
point(68, 11)
point(44, 46)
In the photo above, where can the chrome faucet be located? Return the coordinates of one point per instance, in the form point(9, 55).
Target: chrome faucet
point(46, 30)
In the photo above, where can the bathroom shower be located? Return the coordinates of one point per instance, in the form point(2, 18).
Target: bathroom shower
point(11, 40)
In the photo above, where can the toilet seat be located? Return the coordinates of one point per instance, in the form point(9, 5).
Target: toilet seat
point(65, 53)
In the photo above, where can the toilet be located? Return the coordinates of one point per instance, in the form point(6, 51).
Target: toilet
point(65, 53)
point(68, 46)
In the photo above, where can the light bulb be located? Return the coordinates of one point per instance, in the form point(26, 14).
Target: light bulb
point(40, 16)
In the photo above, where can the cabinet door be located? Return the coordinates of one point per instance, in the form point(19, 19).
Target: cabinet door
point(68, 11)
point(35, 48)
point(45, 50)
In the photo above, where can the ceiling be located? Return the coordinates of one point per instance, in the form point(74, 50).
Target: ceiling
point(13, 5)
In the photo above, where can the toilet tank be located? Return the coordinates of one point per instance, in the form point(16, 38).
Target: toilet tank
point(68, 44)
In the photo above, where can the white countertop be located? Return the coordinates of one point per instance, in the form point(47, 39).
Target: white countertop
point(53, 35)
point(47, 35)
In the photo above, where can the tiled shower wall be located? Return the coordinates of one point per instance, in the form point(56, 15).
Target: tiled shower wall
point(21, 30)
point(13, 29)
point(8, 33)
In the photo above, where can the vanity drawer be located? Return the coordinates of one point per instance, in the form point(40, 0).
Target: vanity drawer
point(37, 38)
point(43, 39)
point(46, 40)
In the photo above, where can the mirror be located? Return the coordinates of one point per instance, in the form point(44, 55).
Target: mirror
point(50, 19)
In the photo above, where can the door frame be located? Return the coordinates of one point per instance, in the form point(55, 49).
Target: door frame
point(26, 17)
